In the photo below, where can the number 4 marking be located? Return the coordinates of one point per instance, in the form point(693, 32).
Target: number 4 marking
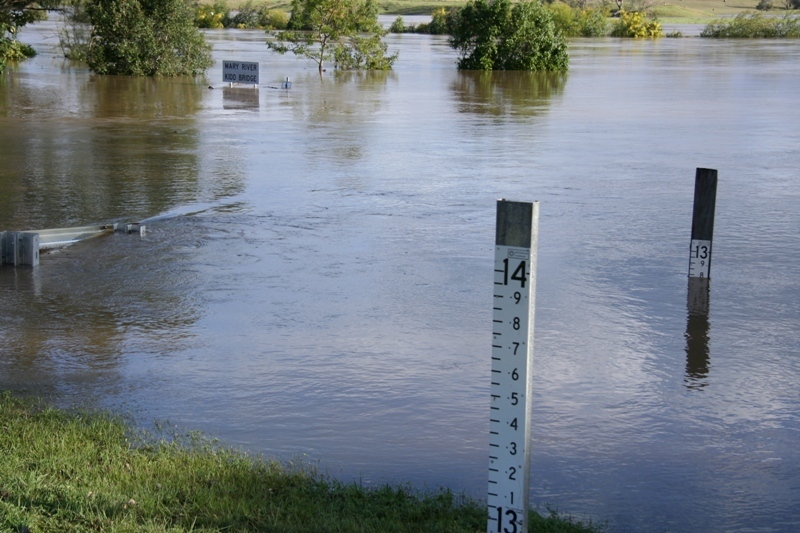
point(518, 275)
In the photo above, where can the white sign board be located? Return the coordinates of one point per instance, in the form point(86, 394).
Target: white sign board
point(240, 72)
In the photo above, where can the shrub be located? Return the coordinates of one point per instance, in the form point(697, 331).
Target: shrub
point(495, 35)
point(13, 16)
point(256, 17)
point(764, 5)
point(564, 19)
point(146, 38)
point(398, 26)
point(439, 22)
point(363, 53)
point(754, 25)
point(211, 16)
point(275, 20)
point(593, 22)
point(442, 23)
point(579, 22)
point(13, 50)
point(634, 24)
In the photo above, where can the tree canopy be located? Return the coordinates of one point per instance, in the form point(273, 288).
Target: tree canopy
point(345, 32)
point(14, 14)
point(146, 38)
point(494, 35)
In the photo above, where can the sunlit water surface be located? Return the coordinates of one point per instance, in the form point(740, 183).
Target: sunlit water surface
point(316, 280)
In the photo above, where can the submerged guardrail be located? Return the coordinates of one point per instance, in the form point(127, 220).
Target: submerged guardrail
point(21, 248)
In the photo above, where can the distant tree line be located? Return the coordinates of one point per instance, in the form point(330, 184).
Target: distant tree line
point(573, 19)
point(162, 37)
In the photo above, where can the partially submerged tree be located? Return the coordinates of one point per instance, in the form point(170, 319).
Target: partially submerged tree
point(494, 35)
point(146, 38)
point(345, 32)
point(14, 14)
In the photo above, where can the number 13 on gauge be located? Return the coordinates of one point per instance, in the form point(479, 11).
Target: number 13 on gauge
point(512, 353)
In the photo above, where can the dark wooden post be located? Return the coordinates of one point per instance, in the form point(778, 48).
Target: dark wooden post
point(697, 298)
point(705, 199)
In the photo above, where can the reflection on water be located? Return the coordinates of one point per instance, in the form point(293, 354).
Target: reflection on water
point(508, 93)
point(697, 326)
point(317, 275)
point(76, 321)
point(240, 98)
point(111, 148)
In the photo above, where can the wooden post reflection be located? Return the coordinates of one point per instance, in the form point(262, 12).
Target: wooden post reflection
point(697, 326)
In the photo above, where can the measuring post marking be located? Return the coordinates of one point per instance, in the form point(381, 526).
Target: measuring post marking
point(699, 258)
point(512, 357)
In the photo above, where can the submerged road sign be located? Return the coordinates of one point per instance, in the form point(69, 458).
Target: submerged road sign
point(240, 72)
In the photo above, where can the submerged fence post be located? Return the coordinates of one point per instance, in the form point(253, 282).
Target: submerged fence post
point(705, 198)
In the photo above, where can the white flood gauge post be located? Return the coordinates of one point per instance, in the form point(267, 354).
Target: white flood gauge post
point(512, 365)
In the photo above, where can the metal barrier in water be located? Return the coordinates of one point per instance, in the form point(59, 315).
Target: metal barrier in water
point(21, 248)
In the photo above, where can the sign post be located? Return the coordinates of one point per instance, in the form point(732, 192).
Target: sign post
point(512, 365)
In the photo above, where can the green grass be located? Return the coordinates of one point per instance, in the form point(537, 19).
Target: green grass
point(76, 471)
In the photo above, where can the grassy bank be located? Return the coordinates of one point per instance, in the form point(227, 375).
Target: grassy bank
point(69, 471)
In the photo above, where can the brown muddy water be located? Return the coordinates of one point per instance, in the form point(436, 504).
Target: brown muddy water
point(317, 277)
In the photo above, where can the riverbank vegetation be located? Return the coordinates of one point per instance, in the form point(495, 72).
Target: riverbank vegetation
point(566, 21)
point(14, 14)
point(248, 15)
point(754, 25)
point(673, 11)
point(572, 18)
point(79, 471)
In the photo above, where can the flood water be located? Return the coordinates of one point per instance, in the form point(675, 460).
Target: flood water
point(316, 280)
